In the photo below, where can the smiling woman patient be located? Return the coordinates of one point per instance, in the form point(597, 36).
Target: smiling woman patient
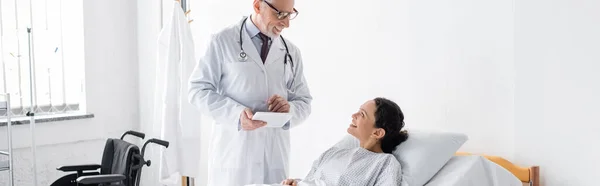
point(378, 126)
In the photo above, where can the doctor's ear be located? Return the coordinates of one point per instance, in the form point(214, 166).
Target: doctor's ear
point(256, 6)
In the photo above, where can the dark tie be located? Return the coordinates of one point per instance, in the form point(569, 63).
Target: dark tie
point(265, 46)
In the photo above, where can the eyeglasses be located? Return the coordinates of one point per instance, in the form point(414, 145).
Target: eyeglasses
point(283, 15)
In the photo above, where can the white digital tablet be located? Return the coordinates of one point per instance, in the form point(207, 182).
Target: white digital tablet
point(273, 119)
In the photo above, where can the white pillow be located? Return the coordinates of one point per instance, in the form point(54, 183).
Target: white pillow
point(422, 155)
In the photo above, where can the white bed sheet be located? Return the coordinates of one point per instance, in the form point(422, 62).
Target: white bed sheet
point(460, 171)
point(473, 171)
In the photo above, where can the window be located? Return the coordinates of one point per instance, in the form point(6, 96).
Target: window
point(49, 35)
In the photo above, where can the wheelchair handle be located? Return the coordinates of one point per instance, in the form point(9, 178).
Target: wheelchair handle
point(157, 141)
point(148, 163)
point(160, 142)
point(134, 133)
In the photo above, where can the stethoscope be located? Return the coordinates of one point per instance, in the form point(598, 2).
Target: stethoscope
point(243, 57)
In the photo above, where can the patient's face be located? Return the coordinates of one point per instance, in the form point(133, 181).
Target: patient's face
point(363, 121)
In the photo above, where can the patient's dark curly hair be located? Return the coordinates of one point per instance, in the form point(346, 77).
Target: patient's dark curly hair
point(389, 117)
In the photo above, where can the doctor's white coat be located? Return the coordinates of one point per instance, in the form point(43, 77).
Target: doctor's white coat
point(222, 86)
point(176, 120)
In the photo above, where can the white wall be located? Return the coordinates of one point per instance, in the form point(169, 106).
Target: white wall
point(557, 87)
point(148, 25)
point(111, 91)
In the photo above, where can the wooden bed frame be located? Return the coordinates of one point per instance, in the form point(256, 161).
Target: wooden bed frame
point(529, 176)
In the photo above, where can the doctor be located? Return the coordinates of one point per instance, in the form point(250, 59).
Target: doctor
point(249, 67)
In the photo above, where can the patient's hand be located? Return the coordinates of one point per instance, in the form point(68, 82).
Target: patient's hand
point(291, 182)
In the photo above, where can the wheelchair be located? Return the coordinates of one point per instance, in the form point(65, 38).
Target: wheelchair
point(121, 165)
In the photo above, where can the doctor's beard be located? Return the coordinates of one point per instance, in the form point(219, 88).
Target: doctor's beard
point(270, 29)
point(271, 32)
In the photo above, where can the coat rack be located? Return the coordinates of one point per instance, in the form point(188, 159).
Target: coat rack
point(187, 181)
point(183, 6)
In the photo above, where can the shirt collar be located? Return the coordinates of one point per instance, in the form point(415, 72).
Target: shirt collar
point(251, 27)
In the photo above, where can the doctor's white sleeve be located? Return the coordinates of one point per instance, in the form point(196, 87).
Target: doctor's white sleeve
point(203, 83)
point(299, 96)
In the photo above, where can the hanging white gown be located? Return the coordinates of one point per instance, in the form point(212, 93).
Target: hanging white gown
point(177, 119)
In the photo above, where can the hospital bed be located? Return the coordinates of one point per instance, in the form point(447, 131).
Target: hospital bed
point(431, 158)
point(467, 169)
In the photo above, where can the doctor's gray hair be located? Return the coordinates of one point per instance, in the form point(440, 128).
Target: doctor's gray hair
point(389, 117)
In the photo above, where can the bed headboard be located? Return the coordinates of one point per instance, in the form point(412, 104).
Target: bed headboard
point(530, 176)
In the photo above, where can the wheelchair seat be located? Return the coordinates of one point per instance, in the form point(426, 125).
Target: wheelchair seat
point(121, 165)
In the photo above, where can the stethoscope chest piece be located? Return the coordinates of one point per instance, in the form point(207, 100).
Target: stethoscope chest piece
point(243, 57)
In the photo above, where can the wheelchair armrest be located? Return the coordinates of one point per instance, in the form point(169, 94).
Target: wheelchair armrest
point(98, 179)
point(70, 168)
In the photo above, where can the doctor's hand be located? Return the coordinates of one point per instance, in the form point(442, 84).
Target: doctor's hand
point(291, 182)
point(278, 104)
point(247, 122)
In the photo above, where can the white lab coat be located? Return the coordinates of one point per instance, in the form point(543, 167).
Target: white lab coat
point(177, 120)
point(222, 87)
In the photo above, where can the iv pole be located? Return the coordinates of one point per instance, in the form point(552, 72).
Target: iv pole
point(31, 111)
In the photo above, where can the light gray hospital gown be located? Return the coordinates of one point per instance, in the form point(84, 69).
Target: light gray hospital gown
point(355, 166)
